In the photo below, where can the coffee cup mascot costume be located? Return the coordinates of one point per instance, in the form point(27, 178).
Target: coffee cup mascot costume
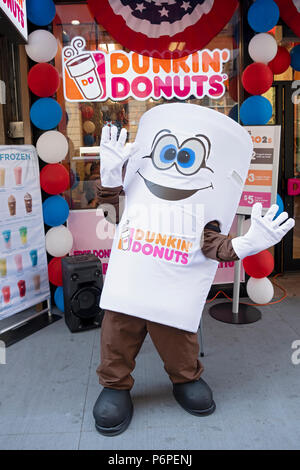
point(182, 182)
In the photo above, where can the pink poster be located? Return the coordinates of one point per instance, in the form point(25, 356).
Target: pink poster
point(92, 234)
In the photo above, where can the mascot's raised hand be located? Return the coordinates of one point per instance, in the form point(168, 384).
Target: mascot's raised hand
point(264, 231)
point(113, 154)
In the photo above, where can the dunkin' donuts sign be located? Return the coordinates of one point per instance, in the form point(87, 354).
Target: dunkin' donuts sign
point(15, 10)
point(99, 75)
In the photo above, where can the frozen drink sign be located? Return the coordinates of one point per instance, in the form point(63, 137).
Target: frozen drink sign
point(99, 75)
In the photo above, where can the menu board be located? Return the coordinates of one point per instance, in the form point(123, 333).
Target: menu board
point(261, 183)
point(23, 261)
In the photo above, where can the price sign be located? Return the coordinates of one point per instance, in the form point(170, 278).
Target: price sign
point(261, 182)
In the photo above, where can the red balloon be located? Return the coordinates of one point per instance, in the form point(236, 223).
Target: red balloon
point(55, 178)
point(259, 265)
point(257, 78)
point(55, 272)
point(43, 80)
point(281, 61)
point(87, 112)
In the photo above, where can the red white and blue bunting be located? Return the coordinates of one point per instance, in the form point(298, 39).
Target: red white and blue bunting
point(163, 28)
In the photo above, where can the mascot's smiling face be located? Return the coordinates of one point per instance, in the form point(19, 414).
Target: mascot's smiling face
point(187, 158)
point(189, 154)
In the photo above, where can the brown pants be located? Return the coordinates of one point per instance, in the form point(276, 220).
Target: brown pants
point(121, 339)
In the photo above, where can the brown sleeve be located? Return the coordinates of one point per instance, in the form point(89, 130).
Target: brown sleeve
point(217, 246)
point(112, 199)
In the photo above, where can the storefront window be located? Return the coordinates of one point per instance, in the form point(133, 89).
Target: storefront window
point(83, 120)
point(296, 236)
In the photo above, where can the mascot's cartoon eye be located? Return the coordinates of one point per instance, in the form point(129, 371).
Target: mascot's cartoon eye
point(164, 152)
point(191, 157)
point(168, 153)
point(186, 157)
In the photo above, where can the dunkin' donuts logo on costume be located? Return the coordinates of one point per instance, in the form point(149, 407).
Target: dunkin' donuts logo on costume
point(156, 244)
point(98, 75)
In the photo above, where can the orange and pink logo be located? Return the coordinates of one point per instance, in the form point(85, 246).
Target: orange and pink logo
point(168, 247)
point(99, 75)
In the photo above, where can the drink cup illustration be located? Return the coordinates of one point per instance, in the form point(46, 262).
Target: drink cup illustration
point(7, 238)
point(18, 175)
point(19, 262)
point(2, 177)
point(125, 238)
point(37, 282)
point(3, 267)
point(6, 294)
point(22, 288)
point(23, 235)
point(28, 203)
point(12, 205)
point(34, 257)
point(82, 69)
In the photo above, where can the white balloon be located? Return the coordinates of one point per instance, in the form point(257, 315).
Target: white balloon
point(260, 291)
point(42, 46)
point(263, 48)
point(52, 147)
point(59, 241)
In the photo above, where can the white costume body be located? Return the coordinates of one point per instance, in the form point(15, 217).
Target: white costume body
point(157, 270)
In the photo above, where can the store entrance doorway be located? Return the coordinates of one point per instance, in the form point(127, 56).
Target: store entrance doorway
point(286, 103)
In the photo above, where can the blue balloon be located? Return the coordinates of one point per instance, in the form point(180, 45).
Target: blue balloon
point(295, 58)
point(279, 202)
point(41, 12)
point(88, 140)
point(59, 299)
point(55, 211)
point(234, 113)
point(256, 111)
point(46, 113)
point(263, 15)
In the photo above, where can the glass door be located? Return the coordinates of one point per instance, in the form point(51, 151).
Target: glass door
point(291, 244)
point(285, 100)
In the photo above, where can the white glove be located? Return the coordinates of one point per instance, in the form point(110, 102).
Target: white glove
point(264, 232)
point(113, 155)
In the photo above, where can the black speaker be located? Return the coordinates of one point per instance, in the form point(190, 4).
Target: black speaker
point(82, 287)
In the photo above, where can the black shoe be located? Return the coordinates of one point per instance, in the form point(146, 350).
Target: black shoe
point(113, 411)
point(195, 397)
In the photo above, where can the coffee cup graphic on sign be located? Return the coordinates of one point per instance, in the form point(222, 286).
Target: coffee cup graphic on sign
point(22, 288)
point(83, 70)
point(37, 282)
point(19, 262)
point(2, 177)
point(6, 294)
point(7, 239)
point(18, 175)
point(34, 257)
